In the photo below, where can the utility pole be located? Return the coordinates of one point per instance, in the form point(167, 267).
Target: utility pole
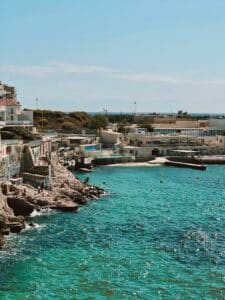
point(42, 118)
point(135, 108)
point(36, 103)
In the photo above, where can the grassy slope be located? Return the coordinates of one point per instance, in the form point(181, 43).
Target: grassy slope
point(56, 119)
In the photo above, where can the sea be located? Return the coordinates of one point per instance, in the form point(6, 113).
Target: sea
point(158, 233)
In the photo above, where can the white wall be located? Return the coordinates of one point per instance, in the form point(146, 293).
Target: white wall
point(110, 137)
point(12, 111)
point(27, 115)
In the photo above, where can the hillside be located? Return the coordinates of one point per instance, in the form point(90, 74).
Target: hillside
point(60, 121)
point(57, 120)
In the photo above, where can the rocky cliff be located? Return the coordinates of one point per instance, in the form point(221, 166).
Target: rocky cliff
point(66, 193)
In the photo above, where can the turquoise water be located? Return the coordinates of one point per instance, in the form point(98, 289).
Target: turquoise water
point(160, 234)
point(91, 147)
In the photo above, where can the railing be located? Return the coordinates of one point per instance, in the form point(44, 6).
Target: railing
point(19, 123)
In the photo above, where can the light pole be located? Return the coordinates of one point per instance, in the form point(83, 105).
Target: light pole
point(135, 110)
point(135, 107)
point(36, 103)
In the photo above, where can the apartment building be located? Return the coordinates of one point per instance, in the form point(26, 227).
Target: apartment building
point(11, 113)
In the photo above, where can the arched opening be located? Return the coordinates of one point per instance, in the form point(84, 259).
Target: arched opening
point(156, 152)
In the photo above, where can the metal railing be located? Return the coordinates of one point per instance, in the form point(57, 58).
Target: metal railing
point(19, 123)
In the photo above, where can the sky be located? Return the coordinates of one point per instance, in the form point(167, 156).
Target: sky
point(92, 55)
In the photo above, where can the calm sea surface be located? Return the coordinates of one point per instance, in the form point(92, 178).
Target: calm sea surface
point(160, 234)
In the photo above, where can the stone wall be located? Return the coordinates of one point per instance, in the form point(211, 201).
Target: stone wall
point(36, 180)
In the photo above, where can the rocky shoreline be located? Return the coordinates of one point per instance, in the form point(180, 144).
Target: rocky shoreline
point(66, 193)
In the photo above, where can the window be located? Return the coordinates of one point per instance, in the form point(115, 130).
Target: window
point(11, 110)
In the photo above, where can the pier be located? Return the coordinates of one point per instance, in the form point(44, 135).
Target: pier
point(185, 165)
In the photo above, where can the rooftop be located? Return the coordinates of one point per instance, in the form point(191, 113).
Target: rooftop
point(9, 102)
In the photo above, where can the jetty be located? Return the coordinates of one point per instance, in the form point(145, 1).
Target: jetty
point(183, 161)
point(180, 164)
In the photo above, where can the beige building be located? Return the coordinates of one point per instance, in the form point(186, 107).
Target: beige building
point(163, 144)
point(109, 137)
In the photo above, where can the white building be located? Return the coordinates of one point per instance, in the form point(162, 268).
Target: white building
point(111, 138)
point(11, 113)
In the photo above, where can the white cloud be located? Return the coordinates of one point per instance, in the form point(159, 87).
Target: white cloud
point(70, 68)
point(52, 68)
point(26, 70)
point(154, 78)
point(60, 68)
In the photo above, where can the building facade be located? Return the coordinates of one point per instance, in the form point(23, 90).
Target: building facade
point(11, 113)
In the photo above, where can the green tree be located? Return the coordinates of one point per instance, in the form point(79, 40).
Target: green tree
point(97, 122)
point(68, 126)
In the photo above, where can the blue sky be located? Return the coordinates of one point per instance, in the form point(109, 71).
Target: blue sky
point(93, 54)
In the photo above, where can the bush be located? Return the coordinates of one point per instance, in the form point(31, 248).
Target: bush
point(19, 133)
point(60, 120)
point(97, 122)
point(68, 126)
point(43, 122)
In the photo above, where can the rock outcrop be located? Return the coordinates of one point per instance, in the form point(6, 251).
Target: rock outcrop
point(65, 193)
point(20, 205)
point(8, 221)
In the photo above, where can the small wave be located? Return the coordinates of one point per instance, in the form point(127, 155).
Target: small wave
point(30, 226)
point(36, 213)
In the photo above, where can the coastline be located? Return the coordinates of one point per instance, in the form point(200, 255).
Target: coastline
point(17, 202)
point(158, 161)
point(137, 164)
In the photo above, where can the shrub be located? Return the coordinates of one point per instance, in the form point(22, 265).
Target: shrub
point(17, 133)
point(43, 122)
point(68, 126)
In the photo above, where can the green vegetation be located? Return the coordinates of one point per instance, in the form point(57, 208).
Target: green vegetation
point(60, 121)
point(97, 122)
point(43, 122)
point(17, 133)
point(121, 118)
point(68, 125)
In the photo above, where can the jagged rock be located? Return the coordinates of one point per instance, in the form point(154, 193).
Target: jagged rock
point(65, 206)
point(65, 194)
point(2, 240)
point(80, 199)
point(19, 219)
point(3, 221)
point(16, 227)
point(41, 202)
point(20, 206)
point(16, 223)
